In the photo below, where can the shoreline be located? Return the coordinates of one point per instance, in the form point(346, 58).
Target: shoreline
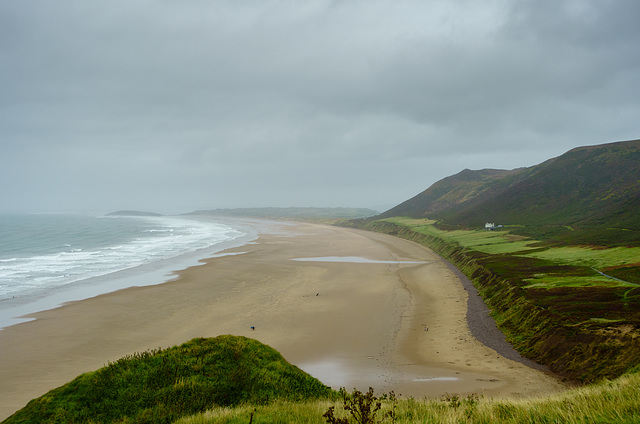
point(348, 324)
point(483, 327)
point(14, 310)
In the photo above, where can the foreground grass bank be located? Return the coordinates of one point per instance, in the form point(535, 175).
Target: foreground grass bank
point(238, 380)
point(575, 309)
point(615, 401)
point(163, 385)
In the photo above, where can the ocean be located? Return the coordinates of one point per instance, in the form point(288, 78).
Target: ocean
point(46, 260)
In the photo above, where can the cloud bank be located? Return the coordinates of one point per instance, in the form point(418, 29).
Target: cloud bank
point(174, 106)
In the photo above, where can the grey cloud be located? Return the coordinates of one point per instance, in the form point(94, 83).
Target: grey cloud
point(353, 103)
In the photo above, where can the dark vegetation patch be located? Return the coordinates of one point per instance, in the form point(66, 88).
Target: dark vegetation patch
point(161, 386)
point(580, 304)
point(630, 273)
point(561, 235)
point(518, 268)
point(633, 295)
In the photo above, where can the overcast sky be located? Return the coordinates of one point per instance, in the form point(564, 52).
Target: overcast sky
point(173, 106)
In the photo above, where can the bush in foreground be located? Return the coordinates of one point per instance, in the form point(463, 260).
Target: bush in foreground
point(161, 386)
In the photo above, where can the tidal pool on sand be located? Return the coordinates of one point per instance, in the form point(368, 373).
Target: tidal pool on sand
point(355, 259)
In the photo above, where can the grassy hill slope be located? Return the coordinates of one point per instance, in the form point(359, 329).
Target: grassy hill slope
point(587, 195)
point(163, 385)
point(449, 193)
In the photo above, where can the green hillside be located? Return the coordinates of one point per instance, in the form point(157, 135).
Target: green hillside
point(449, 193)
point(560, 272)
point(587, 195)
point(163, 385)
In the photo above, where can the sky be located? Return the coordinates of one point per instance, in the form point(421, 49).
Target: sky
point(173, 106)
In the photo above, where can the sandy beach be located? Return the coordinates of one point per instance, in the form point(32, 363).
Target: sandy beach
point(396, 322)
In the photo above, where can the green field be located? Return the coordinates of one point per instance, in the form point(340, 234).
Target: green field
point(579, 260)
point(545, 281)
point(588, 256)
point(492, 242)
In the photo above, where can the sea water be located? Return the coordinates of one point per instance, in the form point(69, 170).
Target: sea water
point(46, 260)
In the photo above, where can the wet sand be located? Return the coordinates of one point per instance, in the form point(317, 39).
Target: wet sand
point(395, 322)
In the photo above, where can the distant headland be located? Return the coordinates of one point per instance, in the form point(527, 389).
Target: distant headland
point(133, 213)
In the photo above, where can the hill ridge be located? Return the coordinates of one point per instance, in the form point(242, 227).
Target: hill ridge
point(587, 188)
